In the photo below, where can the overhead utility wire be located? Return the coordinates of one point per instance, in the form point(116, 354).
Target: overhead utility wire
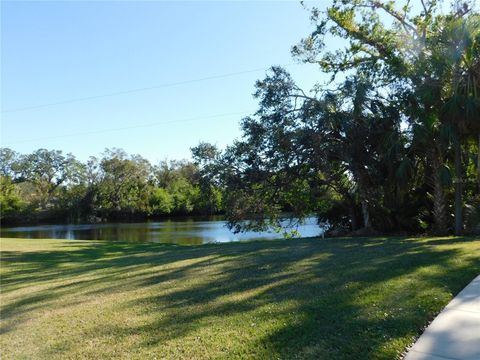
point(129, 127)
point(86, 98)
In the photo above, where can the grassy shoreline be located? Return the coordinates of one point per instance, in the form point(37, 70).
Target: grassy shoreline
point(304, 298)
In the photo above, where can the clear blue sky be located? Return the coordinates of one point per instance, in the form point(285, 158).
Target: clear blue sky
point(56, 51)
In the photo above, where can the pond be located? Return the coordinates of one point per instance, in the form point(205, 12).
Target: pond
point(184, 232)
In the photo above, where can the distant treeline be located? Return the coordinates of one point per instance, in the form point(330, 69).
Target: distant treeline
point(49, 186)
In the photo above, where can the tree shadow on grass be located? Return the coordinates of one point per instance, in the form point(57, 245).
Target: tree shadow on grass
point(326, 290)
point(341, 298)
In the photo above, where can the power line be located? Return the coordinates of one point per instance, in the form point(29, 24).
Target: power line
point(124, 92)
point(130, 127)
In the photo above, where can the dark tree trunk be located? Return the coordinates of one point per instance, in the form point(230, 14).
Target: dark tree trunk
point(439, 206)
point(362, 184)
point(439, 202)
point(363, 193)
point(478, 164)
point(353, 217)
point(366, 214)
point(458, 186)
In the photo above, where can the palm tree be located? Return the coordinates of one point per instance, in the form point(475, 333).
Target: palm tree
point(429, 141)
point(461, 111)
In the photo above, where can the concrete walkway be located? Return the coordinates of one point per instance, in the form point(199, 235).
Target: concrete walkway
point(455, 332)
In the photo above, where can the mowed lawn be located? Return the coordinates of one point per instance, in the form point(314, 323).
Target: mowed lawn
point(288, 299)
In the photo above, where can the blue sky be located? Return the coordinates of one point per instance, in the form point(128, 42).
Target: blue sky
point(57, 51)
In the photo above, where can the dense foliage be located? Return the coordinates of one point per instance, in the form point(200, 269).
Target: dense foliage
point(390, 144)
point(50, 186)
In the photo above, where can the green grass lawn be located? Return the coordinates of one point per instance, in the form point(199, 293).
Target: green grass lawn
point(303, 298)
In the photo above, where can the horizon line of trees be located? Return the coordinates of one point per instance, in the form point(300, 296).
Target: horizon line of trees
point(49, 186)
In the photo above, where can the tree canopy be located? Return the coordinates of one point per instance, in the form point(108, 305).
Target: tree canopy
point(387, 145)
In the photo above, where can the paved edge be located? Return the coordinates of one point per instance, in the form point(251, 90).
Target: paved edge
point(455, 333)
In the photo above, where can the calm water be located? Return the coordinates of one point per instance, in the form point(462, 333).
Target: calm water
point(185, 232)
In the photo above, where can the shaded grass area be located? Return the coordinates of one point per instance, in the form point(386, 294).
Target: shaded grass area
point(298, 299)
